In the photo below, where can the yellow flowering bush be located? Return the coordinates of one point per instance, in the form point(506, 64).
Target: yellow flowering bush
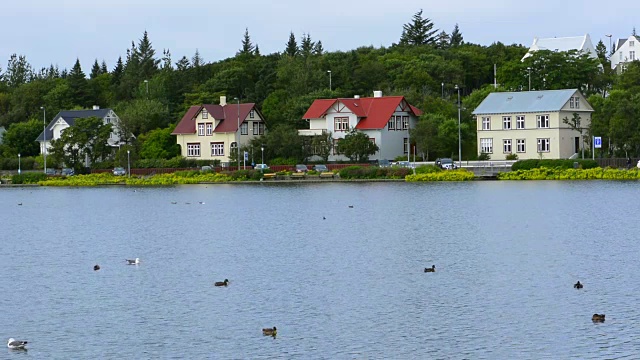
point(571, 174)
point(449, 175)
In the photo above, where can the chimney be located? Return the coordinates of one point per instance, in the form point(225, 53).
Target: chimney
point(356, 96)
point(96, 107)
point(377, 94)
point(223, 100)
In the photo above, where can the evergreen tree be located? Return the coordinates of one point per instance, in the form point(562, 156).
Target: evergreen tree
point(306, 45)
point(196, 60)
point(103, 67)
point(53, 72)
point(145, 54)
point(633, 32)
point(444, 40)
point(78, 85)
point(116, 74)
point(456, 37)
point(183, 64)
point(292, 46)
point(18, 71)
point(318, 49)
point(256, 52)
point(247, 46)
point(166, 60)
point(95, 70)
point(418, 32)
point(601, 51)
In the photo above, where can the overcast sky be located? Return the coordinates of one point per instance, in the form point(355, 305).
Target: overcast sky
point(58, 32)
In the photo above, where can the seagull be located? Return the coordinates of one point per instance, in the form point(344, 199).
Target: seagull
point(16, 344)
point(136, 261)
point(201, 202)
point(188, 203)
point(351, 206)
point(20, 204)
point(174, 202)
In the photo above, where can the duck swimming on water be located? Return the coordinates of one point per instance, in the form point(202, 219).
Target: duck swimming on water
point(431, 269)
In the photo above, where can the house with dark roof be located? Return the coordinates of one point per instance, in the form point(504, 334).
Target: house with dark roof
point(625, 53)
point(385, 119)
point(531, 124)
point(67, 118)
point(210, 132)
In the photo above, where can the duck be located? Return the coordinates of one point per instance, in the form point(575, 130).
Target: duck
point(16, 344)
point(578, 285)
point(350, 206)
point(96, 267)
point(174, 202)
point(19, 204)
point(222, 283)
point(597, 318)
point(135, 261)
point(324, 218)
point(431, 269)
point(269, 331)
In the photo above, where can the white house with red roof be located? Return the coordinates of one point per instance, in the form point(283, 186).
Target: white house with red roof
point(385, 119)
point(209, 132)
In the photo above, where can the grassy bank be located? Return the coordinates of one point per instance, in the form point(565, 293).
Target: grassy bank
point(571, 174)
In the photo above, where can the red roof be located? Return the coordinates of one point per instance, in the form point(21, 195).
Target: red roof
point(187, 125)
point(229, 112)
point(374, 112)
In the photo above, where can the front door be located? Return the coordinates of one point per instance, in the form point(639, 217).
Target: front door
point(577, 145)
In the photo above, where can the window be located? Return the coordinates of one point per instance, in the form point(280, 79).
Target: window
point(520, 146)
point(217, 149)
point(391, 125)
point(234, 146)
point(405, 145)
point(543, 121)
point(486, 145)
point(486, 123)
point(520, 122)
point(193, 149)
point(543, 145)
point(506, 122)
point(632, 55)
point(252, 114)
point(258, 128)
point(405, 123)
point(205, 114)
point(209, 129)
point(577, 102)
point(244, 129)
point(341, 124)
point(398, 122)
point(200, 129)
point(571, 102)
point(620, 55)
point(506, 146)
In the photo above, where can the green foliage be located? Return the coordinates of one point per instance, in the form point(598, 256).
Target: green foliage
point(449, 175)
point(283, 161)
point(486, 156)
point(419, 31)
point(511, 156)
point(20, 138)
point(159, 144)
point(571, 174)
point(141, 116)
point(28, 178)
point(373, 172)
point(87, 138)
point(357, 146)
point(552, 164)
point(427, 169)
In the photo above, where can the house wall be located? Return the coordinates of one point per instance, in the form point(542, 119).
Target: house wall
point(623, 53)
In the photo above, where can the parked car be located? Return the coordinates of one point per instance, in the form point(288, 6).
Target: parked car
point(261, 167)
point(206, 168)
point(51, 171)
point(119, 171)
point(384, 163)
point(446, 164)
point(403, 164)
point(68, 172)
point(320, 168)
point(301, 168)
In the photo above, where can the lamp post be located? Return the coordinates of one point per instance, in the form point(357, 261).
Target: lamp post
point(442, 90)
point(262, 166)
point(128, 163)
point(44, 138)
point(147, 83)
point(529, 69)
point(459, 137)
point(19, 166)
point(238, 143)
point(610, 48)
point(329, 71)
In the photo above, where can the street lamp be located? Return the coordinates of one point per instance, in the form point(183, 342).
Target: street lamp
point(238, 143)
point(459, 137)
point(19, 166)
point(529, 69)
point(44, 134)
point(329, 71)
point(610, 48)
point(262, 166)
point(443, 90)
point(147, 82)
point(128, 163)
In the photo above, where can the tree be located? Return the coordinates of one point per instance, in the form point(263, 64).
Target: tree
point(183, 64)
point(425, 134)
point(443, 41)
point(575, 124)
point(247, 47)
point(95, 70)
point(116, 75)
point(78, 85)
point(456, 37)
point(86, 139)
point(18, 71)
point(357, 146)
point(418, 32)
point(322, 145)
point(103, 67)
point(20, 138)
point(141, 116)
point(306, 45)
point(145, 54)
point(292, 46)
point(159, 144)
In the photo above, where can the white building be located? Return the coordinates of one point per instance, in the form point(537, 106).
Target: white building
point(625, 52)
point(579, 43)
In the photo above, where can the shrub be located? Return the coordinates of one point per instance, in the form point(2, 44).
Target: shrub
point(512, 156)
point(449, 175)
point(426, 169)
point(484, 156)
point(550, 164)
point(28, 178)
point(571, 174)
point(284, 161)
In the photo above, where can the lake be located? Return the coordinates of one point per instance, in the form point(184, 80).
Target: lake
point(351, 286)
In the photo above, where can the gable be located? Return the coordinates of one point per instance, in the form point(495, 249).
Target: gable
point(525, 102)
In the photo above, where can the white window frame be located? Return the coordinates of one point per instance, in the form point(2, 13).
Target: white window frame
point(252, 114)
point(391, 125)
point(544, 145)
point(233, 145)
point(520, 122)
point(486, 145)
point(506, 123)
point(244, 128)
point(405, 145)
point(193, 149)
point(543, 120)
point(205, 114)
point(521, 145)
point(632, 55)
point(209, 129)
point(486, 123)
point(507, 146)
point(398, 122)
point(577, 102)
point(217, 149)
point(405, 123)
point(201, 129)
point(571, 103)
point(341, 124)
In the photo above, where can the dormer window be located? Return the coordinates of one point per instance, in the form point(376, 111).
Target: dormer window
point(205, 114)
point(252, 114)
point(631, 43)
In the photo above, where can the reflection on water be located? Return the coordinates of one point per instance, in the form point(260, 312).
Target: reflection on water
point(337, 281)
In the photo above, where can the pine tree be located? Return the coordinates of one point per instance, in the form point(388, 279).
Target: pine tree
point(444, 40)
point(103, 67)
point(247, 46)
point(166, 60)
point(318, 49)
point(145, 54)
point(292, 46)
point(78, 85)
point(95, 70)
point(116, 74)
point(183, 64)
point(601, 51)
point(456, 37)
point(633, 32)
point(419, 32)
point(256, 52)
point(306, 45)
point(18, 71)
point(196, 60)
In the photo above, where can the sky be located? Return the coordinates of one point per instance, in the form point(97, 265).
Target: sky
point(57, 32)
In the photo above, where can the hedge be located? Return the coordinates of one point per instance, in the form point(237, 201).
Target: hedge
point(449, 175)
point(550, 164)
point(571, 174)
point(374, 172)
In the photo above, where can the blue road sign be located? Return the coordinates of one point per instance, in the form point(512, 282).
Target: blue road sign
point(597, 142)
point(246, 155)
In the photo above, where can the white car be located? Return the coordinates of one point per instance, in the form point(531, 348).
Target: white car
point(261, 167)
